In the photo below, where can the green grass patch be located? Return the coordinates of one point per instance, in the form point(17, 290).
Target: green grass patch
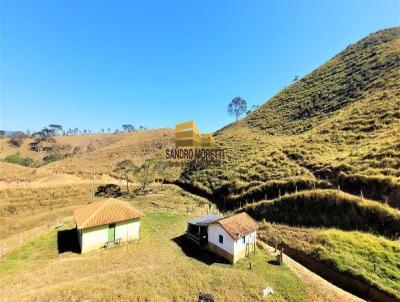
point(372, 259)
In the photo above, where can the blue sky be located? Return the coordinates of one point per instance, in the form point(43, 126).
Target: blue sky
point(98, 64)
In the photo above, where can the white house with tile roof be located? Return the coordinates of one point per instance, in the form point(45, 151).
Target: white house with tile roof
point(232, 237)
point(106, 222)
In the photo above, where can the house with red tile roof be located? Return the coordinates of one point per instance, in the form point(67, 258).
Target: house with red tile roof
point(232, 237)
point(105, 223)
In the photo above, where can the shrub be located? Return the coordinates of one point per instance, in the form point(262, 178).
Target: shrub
point(15, 141)
point(109, 190)
point(16, 158)
point(10, 209)
point(54, 157)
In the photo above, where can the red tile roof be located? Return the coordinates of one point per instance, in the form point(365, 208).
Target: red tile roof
point(105, 211)
point(238, 225)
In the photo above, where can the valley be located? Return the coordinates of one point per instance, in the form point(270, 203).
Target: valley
point(317, 166)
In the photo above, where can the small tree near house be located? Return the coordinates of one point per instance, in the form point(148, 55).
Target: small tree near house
point(162, 169)
point(125, 168)
point(237, 107)
point(145, 174)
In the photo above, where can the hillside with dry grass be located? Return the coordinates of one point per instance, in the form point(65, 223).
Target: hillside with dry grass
point(335, 130)
point(338, 127)
point(79, 154)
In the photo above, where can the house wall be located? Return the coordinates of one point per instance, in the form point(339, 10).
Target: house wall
point(239, 246)
point(214, 230)
point(127, 230)
point(230, 249)
point(95, 237)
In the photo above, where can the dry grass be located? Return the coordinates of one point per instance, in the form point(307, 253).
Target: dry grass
point(340, 121)
point(25, 208)
point(93, 149)
point(15, 173)
point(155, 269)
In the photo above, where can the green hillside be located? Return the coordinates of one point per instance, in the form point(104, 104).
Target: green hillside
point(337, 126)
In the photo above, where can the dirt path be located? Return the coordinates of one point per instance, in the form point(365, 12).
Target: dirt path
point(318, 289)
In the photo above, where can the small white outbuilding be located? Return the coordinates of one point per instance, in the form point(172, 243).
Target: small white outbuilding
point(106, 222)
point(232, 237)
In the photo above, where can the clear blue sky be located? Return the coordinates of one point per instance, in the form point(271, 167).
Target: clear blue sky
point(97, 64)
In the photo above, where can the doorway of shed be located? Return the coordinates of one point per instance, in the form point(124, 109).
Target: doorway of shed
point(111, 232)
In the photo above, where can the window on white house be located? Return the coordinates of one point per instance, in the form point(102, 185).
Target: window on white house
point(221, 239)
point(244, 240)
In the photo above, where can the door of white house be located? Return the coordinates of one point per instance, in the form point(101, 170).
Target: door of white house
point(111, 232)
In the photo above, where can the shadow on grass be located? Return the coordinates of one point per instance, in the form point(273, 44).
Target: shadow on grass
point(274, 262)
point(67, 241)
point(192, 250)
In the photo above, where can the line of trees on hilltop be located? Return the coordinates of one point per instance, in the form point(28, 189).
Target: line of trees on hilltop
point(56, 129)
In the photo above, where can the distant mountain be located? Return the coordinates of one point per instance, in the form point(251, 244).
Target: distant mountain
point(336, 127)
point(10, 133)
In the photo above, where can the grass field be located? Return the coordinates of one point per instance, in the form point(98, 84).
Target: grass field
point(353, 253)
point(161, 267)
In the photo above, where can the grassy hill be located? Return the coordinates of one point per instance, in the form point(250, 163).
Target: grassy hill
point(337, 126)
point(329, 208)
point(370, 258)
point(79, 154)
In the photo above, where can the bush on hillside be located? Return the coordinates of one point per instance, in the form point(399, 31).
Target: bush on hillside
point(54, 157)
point(36, 146)
point(108, 190)
point(16, 141)
point(16, 158)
